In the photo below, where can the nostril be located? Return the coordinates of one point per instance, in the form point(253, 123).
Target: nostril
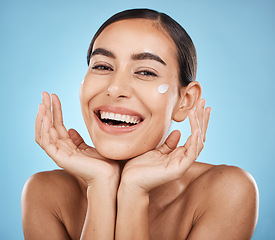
point(119, 91)
point(122, 96)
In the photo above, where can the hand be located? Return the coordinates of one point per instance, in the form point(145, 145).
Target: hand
point(168, 162)
point(67, 148)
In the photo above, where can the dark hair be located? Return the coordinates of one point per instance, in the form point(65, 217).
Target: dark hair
point(187, 56)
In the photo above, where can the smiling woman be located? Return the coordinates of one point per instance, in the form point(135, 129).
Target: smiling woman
point(136, 183)
point(129, 75)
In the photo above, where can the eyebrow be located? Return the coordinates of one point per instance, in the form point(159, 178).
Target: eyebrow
point(104, 52)
point(147, 55)
point(137, 56)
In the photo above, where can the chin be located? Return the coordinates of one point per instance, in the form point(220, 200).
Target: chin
point(116, 152)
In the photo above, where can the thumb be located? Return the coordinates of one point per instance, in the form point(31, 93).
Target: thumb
point(170, 143)
point(77, 139)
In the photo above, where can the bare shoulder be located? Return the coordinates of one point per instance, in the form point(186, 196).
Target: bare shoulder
point(50, 186)
point(209, 174)
point(223, 181)
point(47, 196)
point(227, 203)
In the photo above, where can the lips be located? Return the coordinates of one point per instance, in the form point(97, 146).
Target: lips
point(117, 120)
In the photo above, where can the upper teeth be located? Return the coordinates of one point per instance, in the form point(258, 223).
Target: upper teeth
point(119, 117)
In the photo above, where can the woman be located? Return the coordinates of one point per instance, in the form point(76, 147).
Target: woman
point(136, 183)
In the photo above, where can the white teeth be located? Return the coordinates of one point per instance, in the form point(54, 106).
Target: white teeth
point(111, 115)
point(128, 119)
point(119, 117)
point(117, 126)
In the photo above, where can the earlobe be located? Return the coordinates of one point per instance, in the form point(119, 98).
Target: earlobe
point(189, 97)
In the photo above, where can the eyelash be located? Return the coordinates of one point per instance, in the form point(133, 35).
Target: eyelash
point(146, 73)
point(102, 68)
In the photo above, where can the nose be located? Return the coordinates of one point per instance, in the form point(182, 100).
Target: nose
point(120, 86)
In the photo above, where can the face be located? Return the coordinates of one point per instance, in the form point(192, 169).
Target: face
point(125, 102)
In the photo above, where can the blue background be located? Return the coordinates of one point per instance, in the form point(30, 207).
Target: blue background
point(43, 48)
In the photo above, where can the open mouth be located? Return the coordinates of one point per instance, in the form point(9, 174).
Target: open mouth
point(118, 120)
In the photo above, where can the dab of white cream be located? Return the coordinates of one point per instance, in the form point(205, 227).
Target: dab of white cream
point(163, 88)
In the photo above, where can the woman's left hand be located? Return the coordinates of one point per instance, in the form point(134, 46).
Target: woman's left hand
point(168, 162)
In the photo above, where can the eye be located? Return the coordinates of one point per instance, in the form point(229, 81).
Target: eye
point(102, 67)
point(146, 73)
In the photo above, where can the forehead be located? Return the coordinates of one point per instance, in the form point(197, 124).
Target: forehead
point(137, 35)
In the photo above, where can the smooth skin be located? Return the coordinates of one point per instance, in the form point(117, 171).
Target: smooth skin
point(160, 193)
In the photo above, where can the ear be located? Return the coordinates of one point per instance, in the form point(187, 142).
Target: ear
point(189, 97)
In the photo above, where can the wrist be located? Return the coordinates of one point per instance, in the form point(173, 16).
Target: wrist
point(103, 186)
point(132, 213)
point(131, 191)
point(105, 180)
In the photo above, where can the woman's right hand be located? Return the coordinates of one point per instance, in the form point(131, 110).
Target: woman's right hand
point(67, 148)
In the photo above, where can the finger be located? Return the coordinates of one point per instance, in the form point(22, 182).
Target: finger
point(206, 121)
point(188, 141)
point(47, 102)
point(192, 146)
point(66, 145)
point(170, 143)
point(77, 139)
point(57, 118)
point(45, 138)
point(200, 114)
point(39, 121)
point(51, 149)
point(53, 135)
point(193, 120)
point(196, 127)
point(188, 153)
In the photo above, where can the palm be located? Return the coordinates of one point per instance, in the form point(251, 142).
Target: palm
point(83, 161)
point(168, 162)
point(67, 148)
point(157, 167)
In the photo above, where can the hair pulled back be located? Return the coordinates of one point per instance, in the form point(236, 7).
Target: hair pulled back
point(186, 52)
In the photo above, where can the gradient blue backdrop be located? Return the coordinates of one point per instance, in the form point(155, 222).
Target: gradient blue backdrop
point(43, 48)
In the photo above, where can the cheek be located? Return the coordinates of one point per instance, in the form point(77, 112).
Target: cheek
point(163, 88)
point(88, 90)
point(159, 98)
